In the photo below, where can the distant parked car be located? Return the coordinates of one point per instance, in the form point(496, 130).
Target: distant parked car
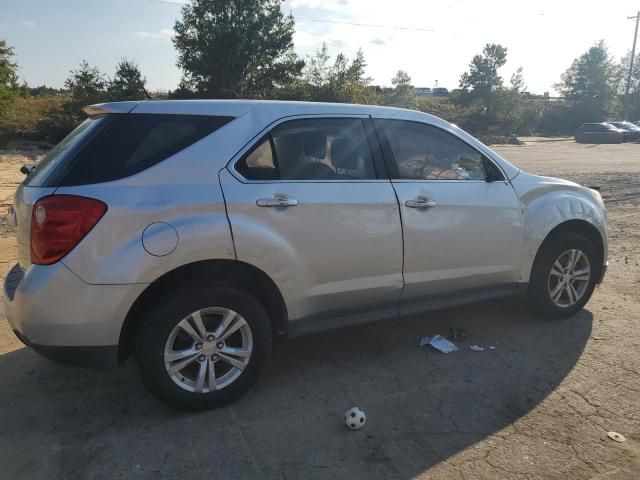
point(440, 92)
point(423, 91)
point(633, 131)
point(599, 133)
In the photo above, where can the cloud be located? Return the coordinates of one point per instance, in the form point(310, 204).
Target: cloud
point(164, 34)
point(338, 44)
point(378, 41)
point(327, 5)
point(29, 24)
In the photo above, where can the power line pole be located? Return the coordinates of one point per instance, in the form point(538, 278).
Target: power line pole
point(633, 56)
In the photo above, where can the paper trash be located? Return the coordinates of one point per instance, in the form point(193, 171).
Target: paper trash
point(439, 343)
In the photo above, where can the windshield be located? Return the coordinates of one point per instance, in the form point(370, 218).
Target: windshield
point(38, 177)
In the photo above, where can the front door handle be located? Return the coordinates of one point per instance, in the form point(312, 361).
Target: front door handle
point(420, 202)
point(277, 201)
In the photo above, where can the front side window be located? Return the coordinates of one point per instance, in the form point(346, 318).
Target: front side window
point(311, 149)
point(425, 152)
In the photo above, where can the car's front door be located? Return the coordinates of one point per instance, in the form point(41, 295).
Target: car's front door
point(461, 232)
point(309, 206)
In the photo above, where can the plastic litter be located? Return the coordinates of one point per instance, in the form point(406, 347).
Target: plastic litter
point(492, 347)
point(439, 343)
point(476, 348)
point(618, 437)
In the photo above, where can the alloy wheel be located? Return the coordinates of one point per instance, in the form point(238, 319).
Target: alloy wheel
point(208, 350)
point(569, 278)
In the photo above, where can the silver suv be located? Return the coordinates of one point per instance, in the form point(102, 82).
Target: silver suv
point(190, 233)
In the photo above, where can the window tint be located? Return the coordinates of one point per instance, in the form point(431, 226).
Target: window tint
point(312, 149)
point(130, 143)
point(62, 152)
point(425, 152)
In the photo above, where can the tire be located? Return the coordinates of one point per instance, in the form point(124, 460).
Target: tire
point(543, 283)
point(161, 338)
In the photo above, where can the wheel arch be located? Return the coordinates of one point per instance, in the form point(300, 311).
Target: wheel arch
point(225, 272)
point(580, 227)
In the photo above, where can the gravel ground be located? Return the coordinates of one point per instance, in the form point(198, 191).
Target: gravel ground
point(537, 407)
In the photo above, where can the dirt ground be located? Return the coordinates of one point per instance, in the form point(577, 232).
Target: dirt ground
point(537, 407)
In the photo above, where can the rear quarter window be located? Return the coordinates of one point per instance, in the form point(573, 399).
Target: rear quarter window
point(129, 143)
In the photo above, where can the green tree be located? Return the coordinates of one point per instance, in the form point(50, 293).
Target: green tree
point(482, 80)
point(8, 68)
point(45, 91)
point(86, 84)
point(347, 81)
point(342, 81)
point(9, 88)
point(316, 69)
point(589, 84)
point(517, 81)
point(235, 48)
point(128, 82)
point(403, 93)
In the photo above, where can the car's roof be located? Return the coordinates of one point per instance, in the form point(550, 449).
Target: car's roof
point(238, 107)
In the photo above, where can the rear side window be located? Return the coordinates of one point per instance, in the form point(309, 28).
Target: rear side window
point(311, 149)
point(133, 142)
point(62, 152)
point(119, 145)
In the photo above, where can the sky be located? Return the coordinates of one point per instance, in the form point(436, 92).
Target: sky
point(432, 41)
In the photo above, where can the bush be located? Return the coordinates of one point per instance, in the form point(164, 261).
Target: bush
point(23, 119)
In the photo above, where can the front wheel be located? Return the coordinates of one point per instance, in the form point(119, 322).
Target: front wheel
point(564, 275)
point(204, 347)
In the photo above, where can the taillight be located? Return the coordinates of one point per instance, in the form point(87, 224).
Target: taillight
point(59, 222)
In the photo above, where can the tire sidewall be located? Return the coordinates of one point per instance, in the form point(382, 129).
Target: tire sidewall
point(161, 319)
point(538, 294)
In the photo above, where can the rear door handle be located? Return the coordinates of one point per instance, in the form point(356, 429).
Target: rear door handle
point(420, 202)
point(277, 201)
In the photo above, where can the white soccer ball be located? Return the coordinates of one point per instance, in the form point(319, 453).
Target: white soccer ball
point(354, 418)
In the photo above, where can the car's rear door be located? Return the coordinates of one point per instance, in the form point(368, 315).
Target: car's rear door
point(310, 206)
point(461, 232)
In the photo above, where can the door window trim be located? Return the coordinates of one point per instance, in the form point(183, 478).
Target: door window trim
point(392, 166)
point(377, 154)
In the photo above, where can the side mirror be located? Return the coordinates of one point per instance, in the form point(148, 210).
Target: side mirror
point(26, 169)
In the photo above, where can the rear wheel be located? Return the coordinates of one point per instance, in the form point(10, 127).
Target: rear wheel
point(564, 275)
point(204, 347)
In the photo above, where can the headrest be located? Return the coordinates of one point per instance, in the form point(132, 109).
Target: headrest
point(315, 145)
point(344, 154)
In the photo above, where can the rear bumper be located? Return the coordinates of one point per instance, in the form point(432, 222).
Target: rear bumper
point(63, 318)
point(99, 357)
